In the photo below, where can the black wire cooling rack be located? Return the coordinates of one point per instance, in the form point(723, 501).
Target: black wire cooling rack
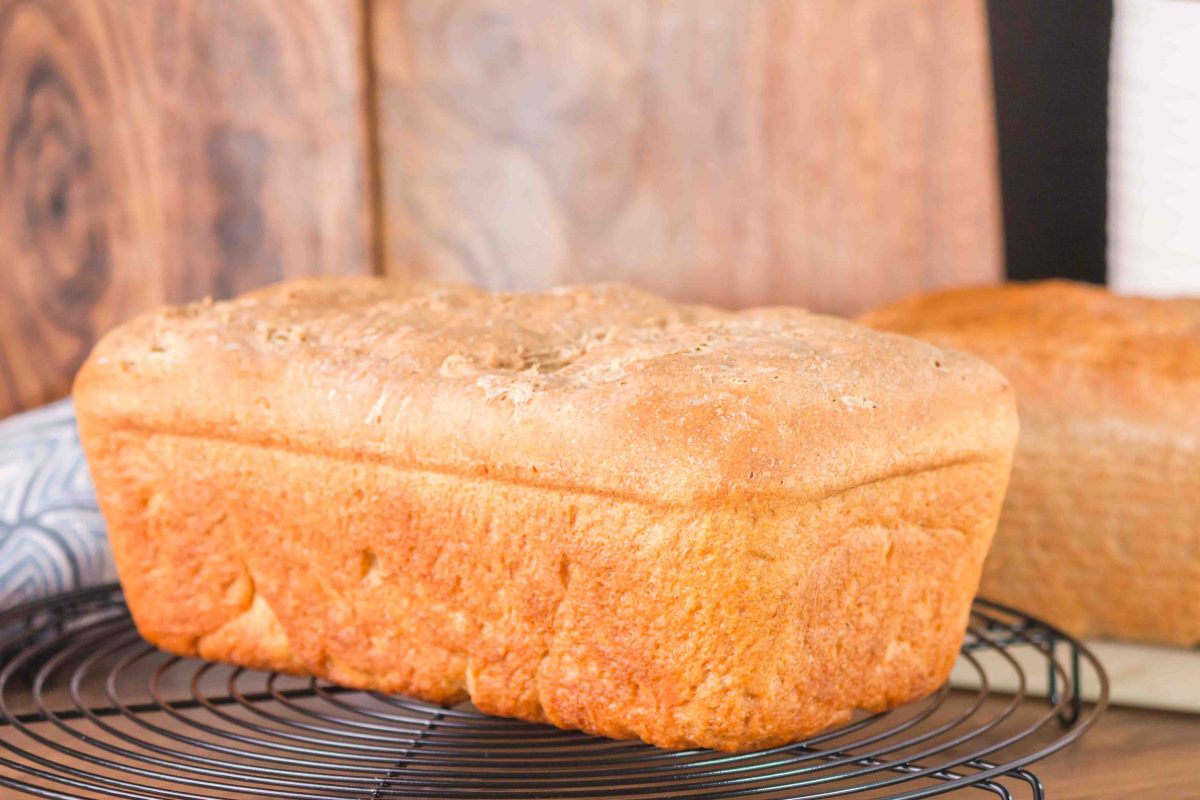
point(88, 709)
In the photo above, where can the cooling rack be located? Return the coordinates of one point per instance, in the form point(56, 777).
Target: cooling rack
point(88, 709)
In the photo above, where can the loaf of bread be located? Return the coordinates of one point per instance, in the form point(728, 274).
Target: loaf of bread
point(588, 507)
point(1100, 532)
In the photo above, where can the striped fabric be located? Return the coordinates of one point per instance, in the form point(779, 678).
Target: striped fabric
point(51, 534)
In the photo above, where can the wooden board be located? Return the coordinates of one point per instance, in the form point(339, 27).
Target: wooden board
point(1139, 675)
point(831, 153)
point(157, 150)
point(834, 153)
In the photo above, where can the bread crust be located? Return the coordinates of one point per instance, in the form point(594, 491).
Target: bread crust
point(589, 507)
point(1100, 531)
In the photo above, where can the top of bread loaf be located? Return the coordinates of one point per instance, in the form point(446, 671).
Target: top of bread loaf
point(1069, 346)
point(600, 388)
point(1055, 320)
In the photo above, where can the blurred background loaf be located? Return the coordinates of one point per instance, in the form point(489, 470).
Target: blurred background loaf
point(1100, 532)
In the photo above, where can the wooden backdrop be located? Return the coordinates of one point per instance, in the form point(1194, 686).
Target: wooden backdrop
point(831, 153)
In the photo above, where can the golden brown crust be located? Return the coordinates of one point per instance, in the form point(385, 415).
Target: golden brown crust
point(1101, 527)
point(592, 507)
point(643, 398)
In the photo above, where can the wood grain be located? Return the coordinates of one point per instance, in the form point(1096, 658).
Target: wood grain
point(834, 154)
point(1130, 753)
point(155, 151)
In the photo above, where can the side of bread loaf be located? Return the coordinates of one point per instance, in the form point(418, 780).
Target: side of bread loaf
point(1100, 530)
point(589, 507)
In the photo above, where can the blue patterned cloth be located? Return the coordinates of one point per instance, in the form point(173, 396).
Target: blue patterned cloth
point(51, 534)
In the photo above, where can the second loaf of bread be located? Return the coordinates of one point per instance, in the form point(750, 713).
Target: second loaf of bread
point(589, 507)
point(1100, 532)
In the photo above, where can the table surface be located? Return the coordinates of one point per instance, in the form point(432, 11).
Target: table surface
point(1131, 753)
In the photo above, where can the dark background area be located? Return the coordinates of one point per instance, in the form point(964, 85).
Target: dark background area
point(1050, 67)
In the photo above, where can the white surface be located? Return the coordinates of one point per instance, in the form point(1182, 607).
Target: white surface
point(1143, 676)
point(1154, 148)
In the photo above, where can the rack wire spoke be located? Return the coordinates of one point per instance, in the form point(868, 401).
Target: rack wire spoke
point(88, 709)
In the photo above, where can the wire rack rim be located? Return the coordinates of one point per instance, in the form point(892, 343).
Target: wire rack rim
point(631, 767)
